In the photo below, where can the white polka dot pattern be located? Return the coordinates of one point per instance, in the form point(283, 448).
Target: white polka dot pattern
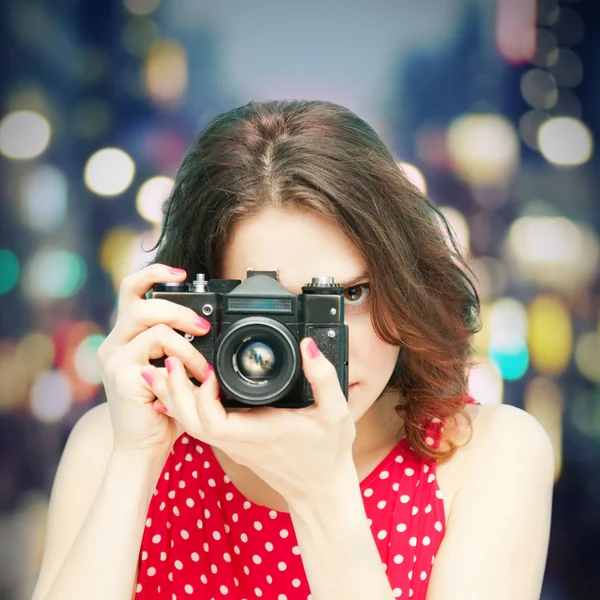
point(204, 539)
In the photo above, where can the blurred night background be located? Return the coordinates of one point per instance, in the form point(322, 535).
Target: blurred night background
point(491, 106)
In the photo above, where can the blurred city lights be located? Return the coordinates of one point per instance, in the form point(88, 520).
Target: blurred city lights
point(109, 172)
point(459, 225)
point(507, 323)
point(539, 88)
point(550, 335)
point(24, 135)
point(45, 193)
point(565, 141)
point(35, 351)
point(544, 400)
point(52, 273)
point(166, 72)
point(484, 148)
point(50, 396)
point(587, 355)
point(86, 363)
point(139, 35)
point(114, 253)
point(546, 49)
point(567, 69)
point(9, 270)
point(13, 376)
point(515, 30)
point(414, 175)
point(485, 382)
point(151, 197)
point(553, 251)
point(141, 7)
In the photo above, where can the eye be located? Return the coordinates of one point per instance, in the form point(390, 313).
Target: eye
point(357, 295)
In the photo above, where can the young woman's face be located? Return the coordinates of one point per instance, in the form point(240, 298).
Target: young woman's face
point(300, 246)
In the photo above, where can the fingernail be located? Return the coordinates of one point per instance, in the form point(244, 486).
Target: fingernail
point(168, 364)
point(209, 370)
point(160, 409)
point(176, 271)
point(313, 350)
point(202, 323)
point(149, 378)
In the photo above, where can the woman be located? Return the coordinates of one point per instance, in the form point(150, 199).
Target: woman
point(405, 489)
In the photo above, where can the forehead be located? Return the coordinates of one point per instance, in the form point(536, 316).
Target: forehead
point(300, 245)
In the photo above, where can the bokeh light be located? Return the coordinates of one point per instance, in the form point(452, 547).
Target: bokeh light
point(484, 148)
point(565, 141)
point(24, 135)
point(50, 396)
point(44, 203)
point(485, 382)
point(35, 351)
point(550, 334)
point(151, 197)
point(141, 7)
point(459, 226)
point(166, 72)
point(109, 172)
point(53, 273)
point(553, 251)
point(9, 270)
point(415, 175)
point(507, 323)
point(544, 400)
point(587, 355)
point(86, 363)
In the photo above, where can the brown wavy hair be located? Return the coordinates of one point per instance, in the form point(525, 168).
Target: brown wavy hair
point(319, 156)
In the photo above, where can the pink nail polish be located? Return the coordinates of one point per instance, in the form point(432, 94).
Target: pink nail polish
point(160, 409)
point(202, 323)
point(169, 365)
point(313, 350)
point(176, 271)
point(149, 378)
point(209, 370)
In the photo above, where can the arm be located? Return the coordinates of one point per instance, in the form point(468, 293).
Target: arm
point(86, 488)
point(337, 547)
point(103, 560)
point(496, 542)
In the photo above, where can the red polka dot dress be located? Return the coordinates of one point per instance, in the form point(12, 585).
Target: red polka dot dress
point(204, 539)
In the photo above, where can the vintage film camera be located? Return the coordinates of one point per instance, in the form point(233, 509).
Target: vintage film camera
point(256, 327)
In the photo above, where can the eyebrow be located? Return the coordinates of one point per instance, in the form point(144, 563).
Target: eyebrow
point(355, 280)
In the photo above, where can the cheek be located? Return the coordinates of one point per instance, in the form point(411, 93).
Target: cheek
point(372, 360)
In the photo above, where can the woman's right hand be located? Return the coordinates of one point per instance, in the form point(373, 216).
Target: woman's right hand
point(144, 330)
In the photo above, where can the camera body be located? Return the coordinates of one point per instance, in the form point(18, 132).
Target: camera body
point(256, 328)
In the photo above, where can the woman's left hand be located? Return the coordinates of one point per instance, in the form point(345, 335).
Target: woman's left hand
point(300, 453)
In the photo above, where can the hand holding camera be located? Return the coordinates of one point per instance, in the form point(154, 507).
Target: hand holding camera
point(145, 330)
point(262, 354)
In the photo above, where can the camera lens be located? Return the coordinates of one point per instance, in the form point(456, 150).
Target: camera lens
point(258, 360)
point(255, 361)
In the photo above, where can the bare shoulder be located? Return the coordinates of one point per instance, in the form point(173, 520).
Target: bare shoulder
point(499, 438)
point(497, 428)
point(501, 478)
point(76, 483)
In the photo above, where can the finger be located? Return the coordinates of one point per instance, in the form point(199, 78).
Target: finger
point(136, 285)
point(180, 399)
point(144, 314)
point(161, 340)
point(149, 374)
point(323, 379)
point(213, 416)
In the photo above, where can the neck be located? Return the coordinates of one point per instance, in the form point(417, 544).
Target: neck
point(378, 431)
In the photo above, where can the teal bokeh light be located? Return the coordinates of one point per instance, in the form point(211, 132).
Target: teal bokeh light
point(9, 270)
point(512, 362)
